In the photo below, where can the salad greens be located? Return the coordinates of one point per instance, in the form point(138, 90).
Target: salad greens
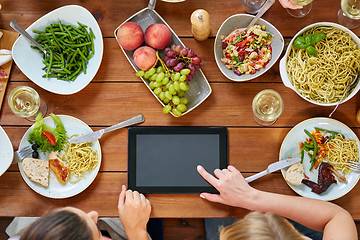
point(307, 41)
point(58, 132)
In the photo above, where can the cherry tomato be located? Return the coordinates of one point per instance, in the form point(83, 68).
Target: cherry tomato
point(49, 137)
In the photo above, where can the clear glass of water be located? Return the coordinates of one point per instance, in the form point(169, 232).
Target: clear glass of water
point(267, 106)
point(349, 13)
point(25, 102)
point(252, 6)
point(302, 12)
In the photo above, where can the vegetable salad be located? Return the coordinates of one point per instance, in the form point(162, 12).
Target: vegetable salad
point(247, 51)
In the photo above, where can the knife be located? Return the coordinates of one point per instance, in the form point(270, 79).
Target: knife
point(273, 167)
point(97, 134)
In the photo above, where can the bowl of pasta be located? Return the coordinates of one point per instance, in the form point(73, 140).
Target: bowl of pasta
point(320, 62)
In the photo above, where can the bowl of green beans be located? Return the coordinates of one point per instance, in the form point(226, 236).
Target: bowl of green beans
point(73, 41)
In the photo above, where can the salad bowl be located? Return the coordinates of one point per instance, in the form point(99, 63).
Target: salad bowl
point(242, 21)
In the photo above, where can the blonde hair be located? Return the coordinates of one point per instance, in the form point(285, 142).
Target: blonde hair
point(260, 226)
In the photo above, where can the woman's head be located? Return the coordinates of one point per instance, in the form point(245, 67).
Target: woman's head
point(64, 224)
point(260, 226)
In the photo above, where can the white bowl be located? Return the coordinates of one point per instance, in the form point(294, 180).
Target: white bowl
point(283, 71)
point(6, 151)
point(29, 60)
point(242, 21)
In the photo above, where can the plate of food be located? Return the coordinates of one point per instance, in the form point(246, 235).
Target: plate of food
point(245, 55)
point(59, 169)
point(73, 40)
point(322, 173)
point(320, 62)
point(6, 151)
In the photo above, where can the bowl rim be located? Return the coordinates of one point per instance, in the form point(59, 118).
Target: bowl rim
point(252, 76)
point(99, 51)
point(283, 68)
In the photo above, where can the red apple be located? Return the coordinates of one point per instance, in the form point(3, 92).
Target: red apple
point(130, 36)
point(145, 57)
point(157, 36)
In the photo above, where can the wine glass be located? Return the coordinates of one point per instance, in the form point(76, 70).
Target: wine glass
point(302, 12)
point(25, 102)
point(267, 106)
point(349, 13)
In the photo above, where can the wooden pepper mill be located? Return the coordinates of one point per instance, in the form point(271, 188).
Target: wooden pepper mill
point(200, 24)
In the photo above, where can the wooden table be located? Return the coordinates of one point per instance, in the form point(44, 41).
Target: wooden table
point(116, 94)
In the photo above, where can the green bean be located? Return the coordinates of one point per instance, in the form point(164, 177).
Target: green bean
point(51, 59)
point(315, 146)
point(302, 156)
point(328, 131)
point(310, 146)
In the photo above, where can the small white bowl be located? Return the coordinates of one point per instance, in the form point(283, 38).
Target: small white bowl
point(29, 60)
point(282, 66)
point(242, 21)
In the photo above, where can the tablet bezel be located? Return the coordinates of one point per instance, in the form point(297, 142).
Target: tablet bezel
point(133, 131)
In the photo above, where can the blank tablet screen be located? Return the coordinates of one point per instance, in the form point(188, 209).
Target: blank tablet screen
point(164, 159)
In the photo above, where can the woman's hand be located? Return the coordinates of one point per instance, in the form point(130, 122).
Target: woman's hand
point(134, 212)
point(288, 4)
point(233, 188)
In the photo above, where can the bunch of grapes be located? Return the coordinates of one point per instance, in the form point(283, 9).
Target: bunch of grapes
point(169, 81)
point(178, 58)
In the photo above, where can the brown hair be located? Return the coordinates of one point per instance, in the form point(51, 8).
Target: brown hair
point(260, 226)
point(58, 224)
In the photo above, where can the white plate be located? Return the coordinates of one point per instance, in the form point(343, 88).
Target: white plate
point(6, 152)
point(290, 146)
point(30, 60)
point(241, 21)
point(56, 189)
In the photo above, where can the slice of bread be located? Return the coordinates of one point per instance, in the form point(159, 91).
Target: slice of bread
point(295, 174)
point(37, 170)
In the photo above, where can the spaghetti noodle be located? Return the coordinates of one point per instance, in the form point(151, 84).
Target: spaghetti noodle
point(324, 78)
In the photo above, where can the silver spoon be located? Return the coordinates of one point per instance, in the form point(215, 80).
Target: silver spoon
point(351, 84)
point(261, 12)
point(20, 30)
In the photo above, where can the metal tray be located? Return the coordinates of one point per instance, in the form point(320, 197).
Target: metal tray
point(199, 87)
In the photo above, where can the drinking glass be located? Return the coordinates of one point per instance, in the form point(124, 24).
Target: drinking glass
point(349, 13)
point(302, 12)
point(267, 106)
point(25, 102)
point(252, 6)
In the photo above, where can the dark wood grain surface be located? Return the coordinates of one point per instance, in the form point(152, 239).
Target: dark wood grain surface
point(116, 94)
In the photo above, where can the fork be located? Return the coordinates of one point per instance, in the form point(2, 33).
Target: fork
point(21, 154)
point(355, 166)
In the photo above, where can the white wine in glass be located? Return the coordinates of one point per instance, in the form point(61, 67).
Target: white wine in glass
point(349, 13)
point(267, 106)
point(306, 8)
point(25, 102)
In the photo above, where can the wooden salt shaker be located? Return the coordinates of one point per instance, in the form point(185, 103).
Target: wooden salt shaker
point(200, 24)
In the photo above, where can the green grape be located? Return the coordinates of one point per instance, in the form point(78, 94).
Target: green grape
point(159, 70)
point(183, 100)
point(168, 85)
point(176, 100)
point(140, 73)
point(181, 94)
point(151, 71)
point(177, 86)
point(166, 75)
point(181, 107)
point(168, 95)
point(147, 75)
point(166, 100)
point(160, 77)
point(165, 81)
point(157, 84)
point(158, 90)
point(185, 71)
point(151, 85)
point(153, 77)
point(162, 96)
point(166, 109)
point(183, 86)
point(171, 88)
point(176, 112)
point(176, 76)
point(182, 78)
point(173, 76)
